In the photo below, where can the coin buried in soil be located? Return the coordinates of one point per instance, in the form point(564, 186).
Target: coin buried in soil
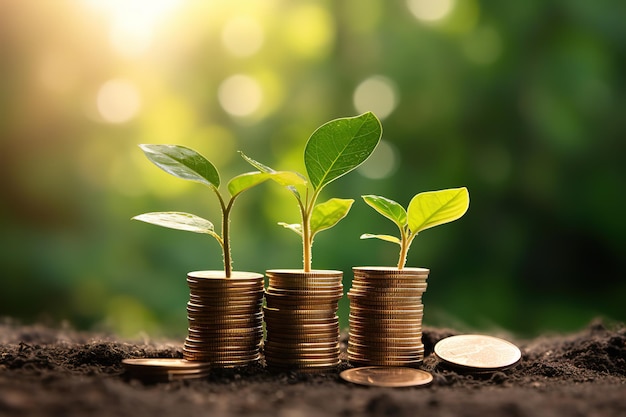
point(477, 352)
point(383, 376)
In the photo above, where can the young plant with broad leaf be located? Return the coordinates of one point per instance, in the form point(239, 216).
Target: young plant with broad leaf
point(334, 149)
point(426, 210)
point(188, 164)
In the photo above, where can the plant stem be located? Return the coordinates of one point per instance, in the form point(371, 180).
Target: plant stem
point(404, 249)
point(306, 242)
point(228, 267)
point(307, 238)
point(228, 263)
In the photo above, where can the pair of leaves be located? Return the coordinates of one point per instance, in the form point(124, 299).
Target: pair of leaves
point(324, 216)
point(188, 164)
point(334, 149)
point(426, 210)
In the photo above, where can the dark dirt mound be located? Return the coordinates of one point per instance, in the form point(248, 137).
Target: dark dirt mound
point(46, 372)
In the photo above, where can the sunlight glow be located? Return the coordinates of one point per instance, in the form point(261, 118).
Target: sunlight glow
point(118, 101)
point(243, 36)
point(376, 94)
point(133, 22)
point(240, 95)
point(430, 10)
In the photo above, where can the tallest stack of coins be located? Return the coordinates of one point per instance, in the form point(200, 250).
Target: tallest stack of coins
point(225, 318)
point(386, 313)
point(301, 320)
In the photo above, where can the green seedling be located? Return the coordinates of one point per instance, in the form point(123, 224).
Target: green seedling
point(425, 210)
point(188, 164)
point(334, 149)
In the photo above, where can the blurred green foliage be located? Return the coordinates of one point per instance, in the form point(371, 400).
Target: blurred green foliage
point(522, 102)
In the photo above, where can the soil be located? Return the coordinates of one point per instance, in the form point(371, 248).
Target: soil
point(48, 371)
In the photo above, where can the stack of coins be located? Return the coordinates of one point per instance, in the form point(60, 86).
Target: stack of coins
point(165, 369)
point(301, 320)
point(225, 318)
point(386, 316)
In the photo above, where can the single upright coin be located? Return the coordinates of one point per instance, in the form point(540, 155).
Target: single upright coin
point(387, 376)
point(477, 352)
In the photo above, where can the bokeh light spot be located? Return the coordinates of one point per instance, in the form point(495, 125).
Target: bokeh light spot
point(240, 95)
point(118, 101)
point(376, 94)
point(430, 10)
point(310, 30)
point(243, 36)
point(382, 163)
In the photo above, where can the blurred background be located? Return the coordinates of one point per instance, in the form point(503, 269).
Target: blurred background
point(522, 102)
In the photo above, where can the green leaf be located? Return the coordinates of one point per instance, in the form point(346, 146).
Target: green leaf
point(339, 146)
point(326, 215)
point(388, 208)
point(387, 238)
point(296, 227)
point(433, 208)
point(245, 181)
point(179, 221)
point(182, 162)
point(287, 179)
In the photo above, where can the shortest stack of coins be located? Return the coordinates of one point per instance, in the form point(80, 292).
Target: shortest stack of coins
point(301, 320)
point(225, 318)
point(386, 316)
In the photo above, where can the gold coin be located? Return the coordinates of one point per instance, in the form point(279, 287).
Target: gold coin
point(389, 363)
point(386, 270)
point(477, 352)
point(233, 320)
point(384, 353)
point(236, 276)
point(387, 376)
point(389, 286)
point(329, 287)
point(384, 318)
point(300, 274)
point(293, 333)
point(212, 357)
point(323, 314)
point(221, 340)
point(162, 364)
point(318, 295)
point(370, 340)
point(305, 368)
point(330, 355)
point(290, 339)
point(389, 347)
point(271, 360)
point(222, 362)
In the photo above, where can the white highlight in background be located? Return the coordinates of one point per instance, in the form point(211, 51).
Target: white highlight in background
point(240, 95)
point(118, 101)
point(376, 94)
point(430, 10)
point(382, 163)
